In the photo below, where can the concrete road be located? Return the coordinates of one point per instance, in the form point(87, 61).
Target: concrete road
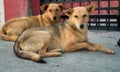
point(81, 61)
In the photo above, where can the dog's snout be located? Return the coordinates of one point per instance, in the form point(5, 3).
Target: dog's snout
point(54, 18)
point(81, 26)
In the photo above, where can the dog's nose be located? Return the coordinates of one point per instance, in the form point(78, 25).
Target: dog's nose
point(54, 18)
point(81, 26)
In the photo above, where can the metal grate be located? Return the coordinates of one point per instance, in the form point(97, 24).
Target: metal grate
point(99, 20)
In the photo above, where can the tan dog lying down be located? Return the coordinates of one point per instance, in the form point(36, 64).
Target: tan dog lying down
point(70, 36)
point(14, 27)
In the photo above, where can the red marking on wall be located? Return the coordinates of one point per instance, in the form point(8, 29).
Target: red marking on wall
point(15, 8)
point(35, 6)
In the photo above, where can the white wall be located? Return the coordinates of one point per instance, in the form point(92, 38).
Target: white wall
point(2, 17)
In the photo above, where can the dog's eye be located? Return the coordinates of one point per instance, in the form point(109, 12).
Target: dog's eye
point(84, 15)
point(50, 10)
point(76, 16)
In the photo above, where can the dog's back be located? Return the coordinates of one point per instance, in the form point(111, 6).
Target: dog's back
point(14, 27)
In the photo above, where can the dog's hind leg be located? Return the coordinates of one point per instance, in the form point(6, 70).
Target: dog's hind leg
point(56, 50)
point(51, 54)
point(9, 38)
point(44, 53)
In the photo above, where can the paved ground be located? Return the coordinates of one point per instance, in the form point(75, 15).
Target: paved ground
point(81, 61)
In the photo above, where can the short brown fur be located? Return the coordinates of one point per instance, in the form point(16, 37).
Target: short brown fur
point(15, 26)
point(51, 41)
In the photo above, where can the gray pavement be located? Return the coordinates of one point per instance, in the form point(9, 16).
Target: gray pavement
point(81, 61)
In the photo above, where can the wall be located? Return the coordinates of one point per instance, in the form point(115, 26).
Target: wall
point(103, 4)
point(35, 6)
point(2, 18)
point(15, 8)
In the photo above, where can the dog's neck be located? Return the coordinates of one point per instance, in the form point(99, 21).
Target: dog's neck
point(73, 29)
point(69, 25)
point(65, 28)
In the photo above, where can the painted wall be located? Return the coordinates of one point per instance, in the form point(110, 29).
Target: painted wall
point(35, 6)
point(2, 18)
point(15, 8)
point(113, 3)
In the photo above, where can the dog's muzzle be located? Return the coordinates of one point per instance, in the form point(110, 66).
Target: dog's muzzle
point(54, 18)
point(81, 26)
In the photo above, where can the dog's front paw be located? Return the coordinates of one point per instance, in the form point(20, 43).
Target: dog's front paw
point(59, 54)
point(61, 51)
point(55, 54)
point(111, 52)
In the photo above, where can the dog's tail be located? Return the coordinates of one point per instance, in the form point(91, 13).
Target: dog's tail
point(25, 54)
point(1, 32)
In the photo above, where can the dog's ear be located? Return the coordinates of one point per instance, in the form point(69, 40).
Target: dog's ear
point(62, 6)
point(44, 7)
point(68, 12)
point(90, 8)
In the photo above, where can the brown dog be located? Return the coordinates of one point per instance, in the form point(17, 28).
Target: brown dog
point(50, 41)
point(14, 27)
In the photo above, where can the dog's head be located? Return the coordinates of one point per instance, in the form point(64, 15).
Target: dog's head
point(53, 11)
point(79, 16)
